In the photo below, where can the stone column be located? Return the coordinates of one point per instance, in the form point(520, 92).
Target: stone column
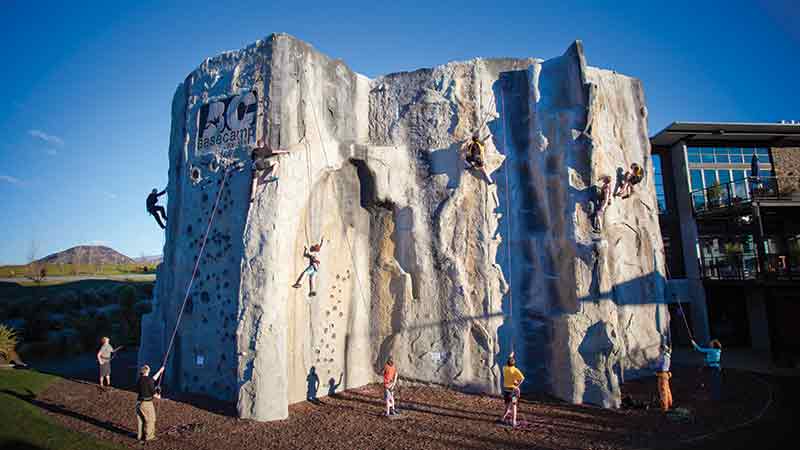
point(689, 240)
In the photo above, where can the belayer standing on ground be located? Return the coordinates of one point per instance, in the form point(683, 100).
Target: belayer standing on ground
point(663, 376)
point(389, 383)
point(512, 378)
point(104, 356)
point(473, 150)
point(265, 162)
point(312, 268)
point(603, 202)
point(145, 410)
point(630, 179)
point(713, 355)
point(155, 209)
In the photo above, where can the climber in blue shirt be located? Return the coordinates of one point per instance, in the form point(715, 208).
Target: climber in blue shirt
point(713, 355)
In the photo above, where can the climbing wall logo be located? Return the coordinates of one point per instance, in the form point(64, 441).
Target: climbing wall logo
point(227, 124)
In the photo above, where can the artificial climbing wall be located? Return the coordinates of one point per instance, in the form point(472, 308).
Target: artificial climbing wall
point(422, 259)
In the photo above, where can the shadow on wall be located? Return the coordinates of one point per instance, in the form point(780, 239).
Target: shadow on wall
point(447, 161)
point(312, 381)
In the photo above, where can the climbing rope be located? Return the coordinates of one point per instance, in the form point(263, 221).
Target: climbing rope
point(308, 182)
point(683, 313)
point(341, 217)
point(194, 271)
point(508, 219)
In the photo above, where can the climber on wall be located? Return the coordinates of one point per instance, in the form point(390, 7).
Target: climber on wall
point(603, 201)
point(512, 378)
point(155, 209)
point(473, 151)
point(312, 268)
point(264, 164)
point(631, 179)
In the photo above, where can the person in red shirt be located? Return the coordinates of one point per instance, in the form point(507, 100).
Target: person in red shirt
point(389, 383)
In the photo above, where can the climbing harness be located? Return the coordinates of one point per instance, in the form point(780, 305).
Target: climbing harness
point(508, 221)
point(194, 271)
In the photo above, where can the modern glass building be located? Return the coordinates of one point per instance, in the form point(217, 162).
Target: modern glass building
point(729, 203)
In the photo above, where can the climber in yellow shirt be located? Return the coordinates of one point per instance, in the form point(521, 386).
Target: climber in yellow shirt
point(473, 151)
point(512, 378)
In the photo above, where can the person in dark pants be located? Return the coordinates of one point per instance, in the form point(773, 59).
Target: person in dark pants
point(145, 410)
point(155, 209)
point(712, 364)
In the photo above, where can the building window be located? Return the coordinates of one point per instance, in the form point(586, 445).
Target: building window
point(658, 178)
point(728, 166)
point(698, 198)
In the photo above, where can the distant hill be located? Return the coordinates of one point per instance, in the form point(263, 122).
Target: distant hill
point(87, 254)
point(154, 259)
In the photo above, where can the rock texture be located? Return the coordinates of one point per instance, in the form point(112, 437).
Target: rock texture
point(422, 259)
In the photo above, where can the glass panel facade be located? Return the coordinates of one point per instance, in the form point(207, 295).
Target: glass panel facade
point(709, 165)
point(739, 185)
point(659, 183)
point(710, 177)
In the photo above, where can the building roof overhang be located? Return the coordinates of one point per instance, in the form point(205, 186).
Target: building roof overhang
point(723, 133)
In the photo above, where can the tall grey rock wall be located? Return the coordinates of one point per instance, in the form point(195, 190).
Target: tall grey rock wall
point(422, 260)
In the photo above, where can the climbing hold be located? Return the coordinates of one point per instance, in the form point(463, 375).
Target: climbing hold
point(195, 174)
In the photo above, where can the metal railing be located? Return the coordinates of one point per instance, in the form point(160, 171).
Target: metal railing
point(738, 192)
point(744, 266)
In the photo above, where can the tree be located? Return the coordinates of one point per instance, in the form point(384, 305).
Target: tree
point(714, 193)
point(35, 268)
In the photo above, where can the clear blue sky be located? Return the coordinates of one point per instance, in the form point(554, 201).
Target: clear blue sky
point(86, 87)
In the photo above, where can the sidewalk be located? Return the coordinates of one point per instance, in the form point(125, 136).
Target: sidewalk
point(737, 358)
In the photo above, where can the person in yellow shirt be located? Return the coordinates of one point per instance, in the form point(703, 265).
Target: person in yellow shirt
point(473, 151)
point(512, 378)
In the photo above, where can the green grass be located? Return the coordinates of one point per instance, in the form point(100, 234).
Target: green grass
point(77, 269)
point(25, 426)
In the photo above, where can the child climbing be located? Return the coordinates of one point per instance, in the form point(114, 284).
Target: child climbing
point(603, 201)
point(312, 268)
point(663, 376)
point(389, 383)
point(631, 179)
point(512, 378)
point(473, 149)
point(155, 209)
point(265, 162)
point(713, 355)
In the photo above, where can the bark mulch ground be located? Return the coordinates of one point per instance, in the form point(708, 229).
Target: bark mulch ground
point(431, 418)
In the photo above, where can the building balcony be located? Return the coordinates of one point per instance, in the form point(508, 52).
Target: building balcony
point(736, 197)
point(744, 266)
